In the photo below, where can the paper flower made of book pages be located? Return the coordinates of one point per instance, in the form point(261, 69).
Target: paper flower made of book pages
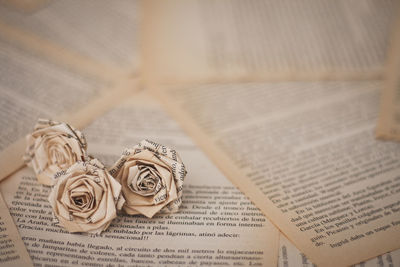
point(86, 198)
point(151, 176)
point(53, 147)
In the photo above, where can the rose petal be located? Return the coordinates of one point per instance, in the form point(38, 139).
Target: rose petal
point(133, 173)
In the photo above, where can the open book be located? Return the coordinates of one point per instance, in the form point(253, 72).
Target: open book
point(283, 165)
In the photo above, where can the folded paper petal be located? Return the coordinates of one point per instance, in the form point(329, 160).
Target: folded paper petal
point(53, 147)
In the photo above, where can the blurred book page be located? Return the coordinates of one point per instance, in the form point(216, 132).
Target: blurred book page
point(26, 6)
point(13, 251)
point(104, 32)
point(305, 154)
point(32, 87)
point(389, 116)
point(216, 40)
point(216, 224)
point(290, 256)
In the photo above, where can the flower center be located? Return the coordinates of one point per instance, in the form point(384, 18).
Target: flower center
point(80, 200)
point(57, 155)
point(146, 181)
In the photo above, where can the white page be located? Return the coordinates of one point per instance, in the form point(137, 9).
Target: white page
point(248, 40)
point(187, 237)
point(305, 153)
point(103, 31)
point(290, 256)
point(33, 86)
point(13, 251)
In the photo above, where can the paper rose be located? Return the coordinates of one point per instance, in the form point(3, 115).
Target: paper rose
point(53, 147)
point(86, 198)
point(151, 176)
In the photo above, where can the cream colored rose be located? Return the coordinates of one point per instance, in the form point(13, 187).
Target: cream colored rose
point(86, 198)
point(151, 176)
point(53, 147)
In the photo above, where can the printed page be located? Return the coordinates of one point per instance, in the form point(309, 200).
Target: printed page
point(216, 224)
point(267, 40)
point(107, 34)
point(290, 256)
point(305, 154)
point(32, 87)
point(13, 251)
point(389, 114)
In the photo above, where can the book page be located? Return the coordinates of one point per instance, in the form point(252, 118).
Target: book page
point(265, 40)
point(107, 34)
point(389, 114)
point(305, 154)
point(290, 256)
point(216, 224)
point(13, 251)
point(24, 5)
point(32, 87)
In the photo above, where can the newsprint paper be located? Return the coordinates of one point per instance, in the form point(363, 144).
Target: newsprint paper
point(216, 224)
point(305, 153)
